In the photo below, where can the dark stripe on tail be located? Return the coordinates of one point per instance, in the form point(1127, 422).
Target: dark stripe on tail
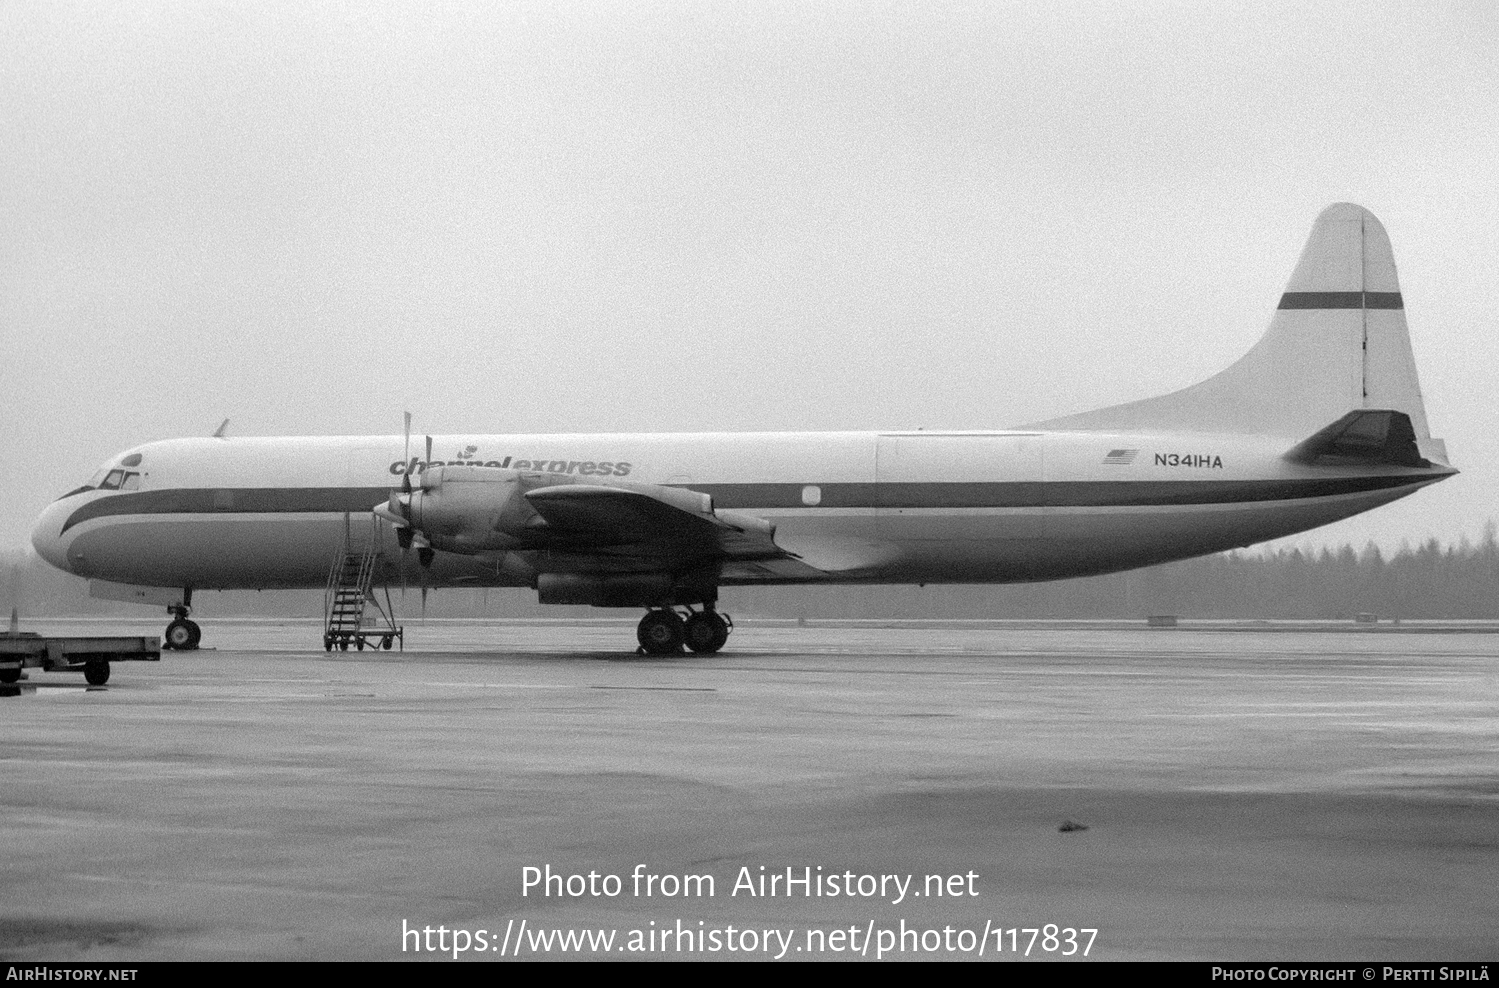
point(1342, 300)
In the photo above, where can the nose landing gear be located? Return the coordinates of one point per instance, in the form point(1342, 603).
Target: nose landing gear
point(663, 632)
point(181, 635)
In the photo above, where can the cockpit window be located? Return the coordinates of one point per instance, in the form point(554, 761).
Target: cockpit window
point(121, 480)
point(111, 477)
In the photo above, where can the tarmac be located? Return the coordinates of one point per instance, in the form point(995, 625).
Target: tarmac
point(1203, 793)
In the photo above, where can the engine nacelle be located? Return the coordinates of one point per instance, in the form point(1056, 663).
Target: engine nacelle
point(485, 509)
point(473, 509)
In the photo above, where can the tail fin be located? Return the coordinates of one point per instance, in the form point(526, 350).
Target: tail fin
point(1338, 342)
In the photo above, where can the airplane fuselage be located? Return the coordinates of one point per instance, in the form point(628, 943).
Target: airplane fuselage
point(887, 507)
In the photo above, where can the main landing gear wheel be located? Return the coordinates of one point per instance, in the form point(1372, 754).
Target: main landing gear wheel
point(706, 632)
point(183, 635)
point(96, 673)
point(661, 632)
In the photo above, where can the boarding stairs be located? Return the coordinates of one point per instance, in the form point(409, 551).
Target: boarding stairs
point(353, 612)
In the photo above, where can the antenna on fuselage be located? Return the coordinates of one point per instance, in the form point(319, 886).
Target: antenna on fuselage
point(220, 432)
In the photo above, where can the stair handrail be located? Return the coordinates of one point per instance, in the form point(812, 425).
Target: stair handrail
point(330, 590)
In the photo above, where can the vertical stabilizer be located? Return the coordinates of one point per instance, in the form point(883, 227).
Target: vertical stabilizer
point(1338, 342)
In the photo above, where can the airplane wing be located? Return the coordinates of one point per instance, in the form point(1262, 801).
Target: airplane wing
point(601, 526)
point(658, 522)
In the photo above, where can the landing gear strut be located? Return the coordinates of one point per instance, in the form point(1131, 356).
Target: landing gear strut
point(663, 632)
point(182, 635)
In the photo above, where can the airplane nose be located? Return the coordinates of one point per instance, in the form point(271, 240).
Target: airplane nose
point(47, 538)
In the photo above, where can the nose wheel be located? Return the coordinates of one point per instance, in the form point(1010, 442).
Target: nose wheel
point(181, 635)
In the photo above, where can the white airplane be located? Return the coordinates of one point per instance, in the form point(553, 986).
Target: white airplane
point(1321, 420)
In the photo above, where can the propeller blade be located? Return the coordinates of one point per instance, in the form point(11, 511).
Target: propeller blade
point(396, 519)
point(406, 470)
point(405, 536)
point(424, 556)
point(404, 532)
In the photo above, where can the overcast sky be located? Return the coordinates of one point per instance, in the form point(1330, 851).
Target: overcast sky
point(642, 216)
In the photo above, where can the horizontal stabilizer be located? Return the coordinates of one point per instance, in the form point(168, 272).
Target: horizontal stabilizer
point(1360, 438)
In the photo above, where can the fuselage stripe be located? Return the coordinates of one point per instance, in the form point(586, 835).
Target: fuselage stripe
point(750, 497)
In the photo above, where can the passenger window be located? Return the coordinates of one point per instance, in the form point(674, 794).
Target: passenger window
point(131, 482)
point(112, 482)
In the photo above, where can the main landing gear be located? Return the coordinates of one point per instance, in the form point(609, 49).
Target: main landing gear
point(181, 635)
point(663, 631)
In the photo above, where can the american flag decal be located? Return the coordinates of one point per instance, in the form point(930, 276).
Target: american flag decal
point(1121, 457)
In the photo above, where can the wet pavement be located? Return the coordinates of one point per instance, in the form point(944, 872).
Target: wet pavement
point(1311, 794)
